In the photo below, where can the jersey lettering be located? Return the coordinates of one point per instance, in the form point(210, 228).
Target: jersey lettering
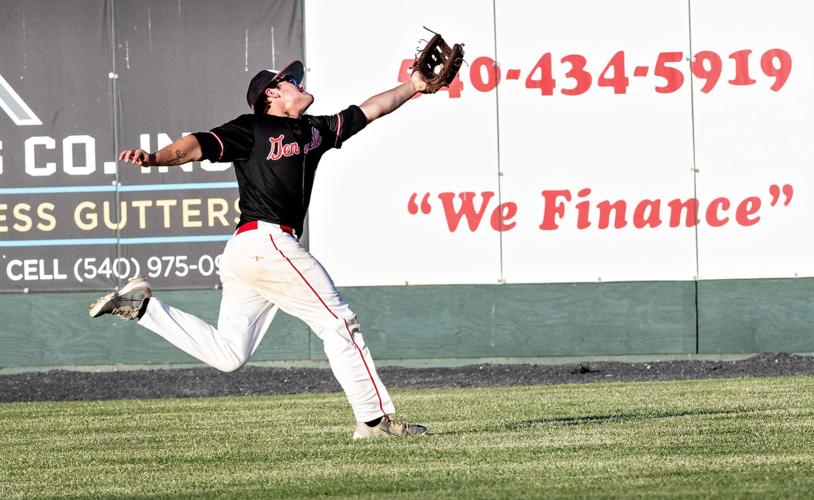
point(279, 150)
point(316, 140)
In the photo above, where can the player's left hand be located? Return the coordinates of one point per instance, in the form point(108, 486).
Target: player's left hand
point(438, 63)
point(419, 82)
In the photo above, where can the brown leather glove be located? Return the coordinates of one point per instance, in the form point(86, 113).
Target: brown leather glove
point(438, 63)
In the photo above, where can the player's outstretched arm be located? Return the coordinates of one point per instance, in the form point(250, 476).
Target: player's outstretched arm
point(182, 151)
point(387, 102)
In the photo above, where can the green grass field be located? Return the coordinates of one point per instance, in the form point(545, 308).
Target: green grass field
point(716, 438)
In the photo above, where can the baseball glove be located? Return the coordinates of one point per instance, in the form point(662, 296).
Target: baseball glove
point(438, 63)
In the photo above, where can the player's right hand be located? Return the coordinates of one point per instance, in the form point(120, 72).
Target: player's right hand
point(136, 157)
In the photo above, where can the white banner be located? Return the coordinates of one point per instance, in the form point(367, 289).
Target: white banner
point(754, 123)
point(596, 140)
point(583, 141)
point(377, 216)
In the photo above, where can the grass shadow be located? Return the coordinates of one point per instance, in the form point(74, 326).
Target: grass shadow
point(588, 420)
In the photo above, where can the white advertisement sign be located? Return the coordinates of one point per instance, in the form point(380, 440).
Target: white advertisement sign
point(596, 140)
point(583, 141)
point(754, 123)
point(386, 208)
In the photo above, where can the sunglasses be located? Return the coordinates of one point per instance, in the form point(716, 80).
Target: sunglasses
point(291, 80)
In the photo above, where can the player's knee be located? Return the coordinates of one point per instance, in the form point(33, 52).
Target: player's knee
point(354, 330)
point(353, 326)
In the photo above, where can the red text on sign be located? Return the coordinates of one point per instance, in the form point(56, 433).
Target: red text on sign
point(580, 209)
point(670, 70)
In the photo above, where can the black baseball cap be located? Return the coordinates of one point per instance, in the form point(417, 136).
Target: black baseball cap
point(268, 78)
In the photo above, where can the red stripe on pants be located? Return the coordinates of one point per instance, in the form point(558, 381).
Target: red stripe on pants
point(350, 335)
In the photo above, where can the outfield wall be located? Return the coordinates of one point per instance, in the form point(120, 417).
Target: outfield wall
point(603, 178)
point(439, 324)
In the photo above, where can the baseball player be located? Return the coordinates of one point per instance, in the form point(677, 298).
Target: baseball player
point(264, 268)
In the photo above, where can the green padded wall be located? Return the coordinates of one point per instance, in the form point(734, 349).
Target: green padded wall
point(407, 322)
point(451, 322)
point(746, 316)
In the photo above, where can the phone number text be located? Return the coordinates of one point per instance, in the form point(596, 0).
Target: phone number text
point(90, 268)
point(668, 70)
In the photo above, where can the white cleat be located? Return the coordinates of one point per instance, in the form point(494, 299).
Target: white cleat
point(126, 303)
point(388, 427)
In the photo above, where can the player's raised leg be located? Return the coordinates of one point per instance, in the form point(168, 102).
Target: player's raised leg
point(245, 316)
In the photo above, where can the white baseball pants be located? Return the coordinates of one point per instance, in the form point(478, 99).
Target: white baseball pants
point(263, 270)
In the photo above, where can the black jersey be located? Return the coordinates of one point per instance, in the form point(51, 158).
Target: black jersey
point(276, 159)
